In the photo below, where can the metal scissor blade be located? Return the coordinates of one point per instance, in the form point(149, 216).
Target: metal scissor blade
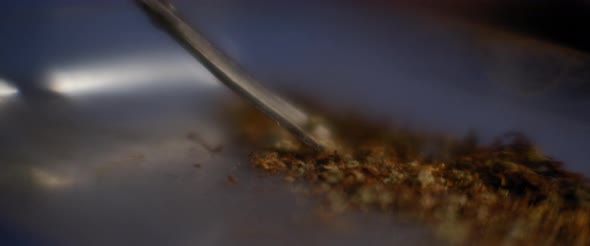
point(232, 75)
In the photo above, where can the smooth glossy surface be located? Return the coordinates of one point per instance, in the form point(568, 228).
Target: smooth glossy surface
point(96, 105)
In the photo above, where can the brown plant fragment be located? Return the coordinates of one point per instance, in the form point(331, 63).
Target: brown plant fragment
point(507, 192)
point(232, 180)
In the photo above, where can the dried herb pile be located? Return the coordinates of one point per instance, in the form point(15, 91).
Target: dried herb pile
point(503, 193)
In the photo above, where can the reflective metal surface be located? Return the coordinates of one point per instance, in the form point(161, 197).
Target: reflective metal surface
point(96, 105)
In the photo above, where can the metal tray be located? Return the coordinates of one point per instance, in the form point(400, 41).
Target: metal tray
point(97, 110)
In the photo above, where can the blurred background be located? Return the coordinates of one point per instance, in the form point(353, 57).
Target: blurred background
point(96, 104)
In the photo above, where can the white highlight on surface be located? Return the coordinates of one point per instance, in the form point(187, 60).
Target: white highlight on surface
point(130, 74)
point(6, 89)
point(50, 180)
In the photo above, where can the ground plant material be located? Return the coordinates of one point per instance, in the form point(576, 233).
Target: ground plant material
point(231, 180)
point(506, 192)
